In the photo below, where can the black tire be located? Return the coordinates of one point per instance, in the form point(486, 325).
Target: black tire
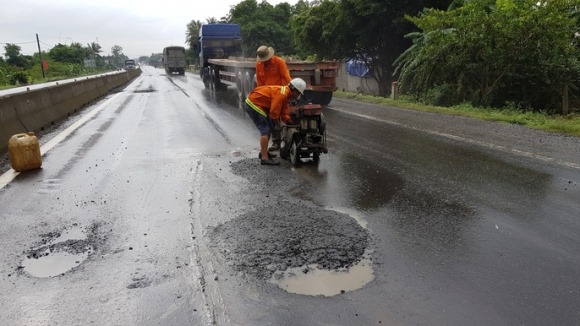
point(216, 79)
point(294, 156)
point(316, 157)
point(254, 81)
point(284, 153)
point(247, 84)
point(205, 77)
point(240, 85)
point(211, 80)
point(322, 98)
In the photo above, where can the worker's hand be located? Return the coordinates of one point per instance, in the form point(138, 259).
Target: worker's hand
point(290, 122)
point(276, 123)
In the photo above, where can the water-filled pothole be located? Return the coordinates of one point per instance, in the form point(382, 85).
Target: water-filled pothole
point(296, 245)
point(53, 264)
point(58, 253)
point(311, 280)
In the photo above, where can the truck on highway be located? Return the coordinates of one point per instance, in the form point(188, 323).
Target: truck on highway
point(130, 64)
point(222, 64)
point(173, 60)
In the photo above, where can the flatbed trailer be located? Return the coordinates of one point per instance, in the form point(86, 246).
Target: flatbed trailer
point(320, 76)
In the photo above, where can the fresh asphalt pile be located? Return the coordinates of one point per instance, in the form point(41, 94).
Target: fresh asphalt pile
point(285, 230)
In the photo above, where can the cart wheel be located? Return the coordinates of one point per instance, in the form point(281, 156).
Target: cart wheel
point(284, 152)
point(316, 157)
point(294, 157)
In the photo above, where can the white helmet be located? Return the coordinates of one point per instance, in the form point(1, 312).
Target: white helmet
point(298, 84)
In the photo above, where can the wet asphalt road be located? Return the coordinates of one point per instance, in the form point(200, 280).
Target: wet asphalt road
point(156, 212)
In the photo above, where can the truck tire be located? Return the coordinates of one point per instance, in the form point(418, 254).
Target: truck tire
point(217, 81)
point(248, 80)
point(211, 79)
point(322, 98)
point(205, 77)
point(240, 86)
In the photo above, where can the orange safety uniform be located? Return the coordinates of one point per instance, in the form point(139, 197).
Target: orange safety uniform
point(272, 72)
point(270, 101)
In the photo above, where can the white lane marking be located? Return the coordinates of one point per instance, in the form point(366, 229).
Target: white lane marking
point(467, 140)
point(8, 176)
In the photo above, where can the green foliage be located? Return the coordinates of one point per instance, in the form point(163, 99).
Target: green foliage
point(371, 31)
point(74, 53)
point(488, 53)
point(15, 58)
point(569, 125)
point(263, 24)
point(192, 35)
point(11, 75)
point(18, 77)
point(316, 30)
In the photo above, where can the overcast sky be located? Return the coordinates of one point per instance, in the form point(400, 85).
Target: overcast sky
point(140, 27)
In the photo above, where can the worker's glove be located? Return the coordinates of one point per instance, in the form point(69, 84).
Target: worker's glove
point(276, 123)
point(290, 122)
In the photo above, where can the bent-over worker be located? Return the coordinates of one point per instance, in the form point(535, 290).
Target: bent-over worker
point(266, 106)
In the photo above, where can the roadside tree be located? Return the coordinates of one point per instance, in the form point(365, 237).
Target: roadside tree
point(370, 31)
point(15, 59)
point(494, 53)
point(262, 23)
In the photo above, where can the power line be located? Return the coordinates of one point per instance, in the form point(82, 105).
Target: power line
point(17, 43)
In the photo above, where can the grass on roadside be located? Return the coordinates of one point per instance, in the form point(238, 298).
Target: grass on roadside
point(569, 124)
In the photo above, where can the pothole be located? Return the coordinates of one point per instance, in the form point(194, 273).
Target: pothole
point(295, 244)
point(311, 280)
point(148, 90)
point(59, 252)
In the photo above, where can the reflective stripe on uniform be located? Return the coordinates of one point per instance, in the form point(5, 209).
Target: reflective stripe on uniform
point(255, 107)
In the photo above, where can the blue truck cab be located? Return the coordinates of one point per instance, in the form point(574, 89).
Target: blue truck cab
point(218, 41)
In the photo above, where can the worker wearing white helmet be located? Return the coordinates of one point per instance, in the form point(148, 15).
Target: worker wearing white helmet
point(298, 84)
point(266, 106)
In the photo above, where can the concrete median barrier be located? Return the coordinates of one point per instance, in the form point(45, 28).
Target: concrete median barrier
point(35, 109)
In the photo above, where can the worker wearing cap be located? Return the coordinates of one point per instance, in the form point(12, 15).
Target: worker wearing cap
point(271, 70)
point(266, 106)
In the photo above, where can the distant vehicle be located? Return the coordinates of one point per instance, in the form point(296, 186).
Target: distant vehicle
point(173, 60)
point(130, 64)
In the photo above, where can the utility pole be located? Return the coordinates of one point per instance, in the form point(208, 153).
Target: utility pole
point(40, 56)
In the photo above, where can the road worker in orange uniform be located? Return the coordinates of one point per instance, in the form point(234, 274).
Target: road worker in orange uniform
point(266, 106)
point(271, 70)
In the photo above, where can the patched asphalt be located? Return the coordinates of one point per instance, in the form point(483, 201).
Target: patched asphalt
point(284, 230)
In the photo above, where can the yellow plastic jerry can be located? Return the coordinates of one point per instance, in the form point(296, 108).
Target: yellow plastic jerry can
point(24, 152)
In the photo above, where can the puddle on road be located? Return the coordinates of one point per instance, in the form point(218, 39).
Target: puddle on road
point(56, 263)
point(59, 255)
point(324, 282)
point(357, 216)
